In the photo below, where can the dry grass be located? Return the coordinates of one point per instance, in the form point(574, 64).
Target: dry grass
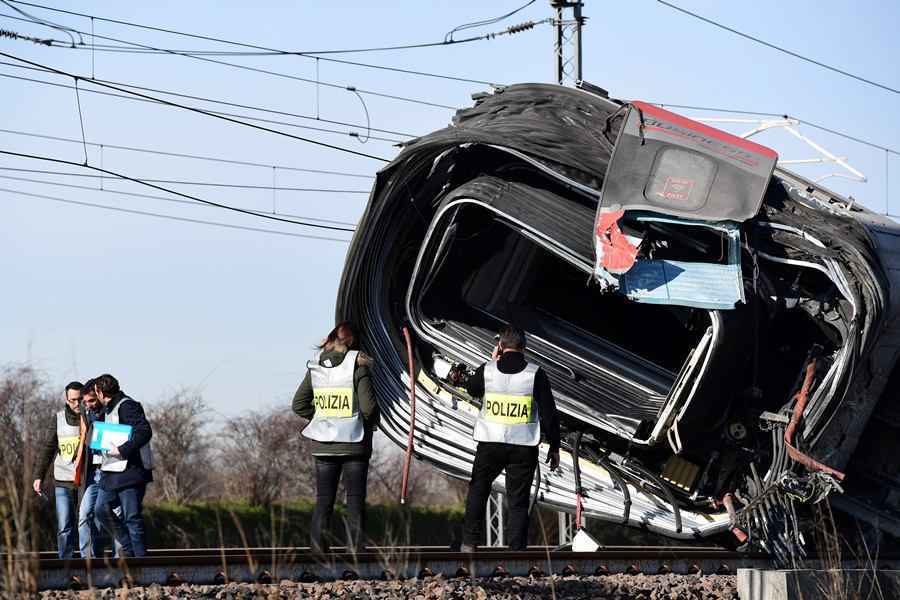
point(830, 546)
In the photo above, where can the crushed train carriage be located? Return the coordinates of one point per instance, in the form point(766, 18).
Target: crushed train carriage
point(721, 331)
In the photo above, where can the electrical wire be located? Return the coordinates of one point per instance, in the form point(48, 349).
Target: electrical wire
point(8, 33)
point(196, 183)
point(172, 217)
point(780, 48)
point(105, 190)
point(211, 101)
point(486, 36)
point(284, 123)
point(262, 51)
point(248, 68)
point(782, 116)
point(485, 22)
point(197, 110)
point(407, 71)
point(127, 50)
point(183, 155)
point(214, 112)
point(46, 23)
point(170, 191)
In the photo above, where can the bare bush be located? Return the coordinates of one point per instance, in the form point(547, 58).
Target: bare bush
point(182, 448)
point(426, 485)
point(265, 459)
point(26, 408)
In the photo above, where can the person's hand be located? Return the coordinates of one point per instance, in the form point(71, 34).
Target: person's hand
point(553, 459)
point(114, 453)
point(495, 355)
point(37, 487)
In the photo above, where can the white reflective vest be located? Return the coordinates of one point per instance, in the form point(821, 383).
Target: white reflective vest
point(337, 417)
point(509, 414)
point(68, 438)
point(117, 464)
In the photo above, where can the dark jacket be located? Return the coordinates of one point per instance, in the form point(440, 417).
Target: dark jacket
point(130, 413)
point(48, 450)
point(362, 390)
point(514, 362)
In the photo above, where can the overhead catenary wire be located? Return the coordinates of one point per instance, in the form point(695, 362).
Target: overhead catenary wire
point(486, 22)
point(197, 110)
point(173, 217)
point(487, 36)
point(781, 49)
point(782, 116)
point(128, 50)
point(46, 23)
point(208, 100)
point(171, 191)
point(185, 155)
point(107, 190)
point(195, 183)
point(273, 111)
point(214, 101)
point(269, 72)
point(212, 112)
point(263, 51)
point(13, 35)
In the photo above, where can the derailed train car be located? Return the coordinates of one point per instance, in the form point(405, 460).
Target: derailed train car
point(719, 332)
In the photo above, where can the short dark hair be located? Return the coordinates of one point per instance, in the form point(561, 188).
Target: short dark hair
point(107, 384)
point(88, 386)
point(74, 385)
point(512, 338)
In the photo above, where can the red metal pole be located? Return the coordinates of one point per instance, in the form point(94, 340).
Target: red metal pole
point(412, 414)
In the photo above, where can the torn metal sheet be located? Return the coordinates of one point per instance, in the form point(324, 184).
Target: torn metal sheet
point(665, 164)
point(689, 283)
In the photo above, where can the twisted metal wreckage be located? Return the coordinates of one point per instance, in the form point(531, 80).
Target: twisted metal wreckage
point(720, 331)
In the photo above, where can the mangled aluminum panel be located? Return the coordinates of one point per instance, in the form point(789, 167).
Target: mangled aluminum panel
point(665, 164)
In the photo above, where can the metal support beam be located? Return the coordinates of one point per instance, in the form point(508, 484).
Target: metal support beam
point(566, 528)
point(567, 47)
point(789, 125)
point(494, 520)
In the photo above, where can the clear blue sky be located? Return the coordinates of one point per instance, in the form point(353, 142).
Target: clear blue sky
point(164, 304)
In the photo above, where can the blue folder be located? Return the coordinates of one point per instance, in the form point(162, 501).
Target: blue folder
point(105, 436)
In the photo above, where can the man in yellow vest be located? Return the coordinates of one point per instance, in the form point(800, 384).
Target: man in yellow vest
point(517, 405)
point(63, 448)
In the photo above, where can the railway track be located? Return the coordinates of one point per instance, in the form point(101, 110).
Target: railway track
point(218, 565)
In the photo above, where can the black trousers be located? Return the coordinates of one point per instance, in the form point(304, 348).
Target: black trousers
point(491, 459)
point(328, 474)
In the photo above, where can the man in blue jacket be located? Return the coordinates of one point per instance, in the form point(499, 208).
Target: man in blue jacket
point(126, 470)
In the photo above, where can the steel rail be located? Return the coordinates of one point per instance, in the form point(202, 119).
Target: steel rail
point(264, 565)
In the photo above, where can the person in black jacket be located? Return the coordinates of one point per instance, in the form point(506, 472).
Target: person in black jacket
point(126, 470)
point(508, 433)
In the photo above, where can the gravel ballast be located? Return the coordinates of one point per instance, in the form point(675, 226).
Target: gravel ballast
point(617, 587)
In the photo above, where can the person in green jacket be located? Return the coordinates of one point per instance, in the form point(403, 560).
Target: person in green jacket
point(338, 398)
